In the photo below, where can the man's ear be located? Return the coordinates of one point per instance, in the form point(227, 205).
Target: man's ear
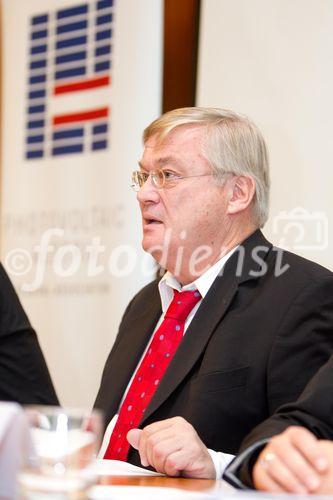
point(242, 193)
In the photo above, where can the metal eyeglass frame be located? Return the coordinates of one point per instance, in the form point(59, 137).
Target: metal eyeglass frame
point(158, 179)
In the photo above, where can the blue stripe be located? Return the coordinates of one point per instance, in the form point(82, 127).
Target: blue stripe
point(103, 4)
point(65, 28)
point(37, 79)
point(36, 124)
point(99, 145)
point(39, 19)
point(72, 11)
point(74, 56)
point(36, 94)
point(100, 129)
point(66, 134)
point(41, 63)
point(70, 42)
point(102, 66)
point(74, 148)
point(38, 49)
point(34, 154)
point(33, 139)
point(105, 49)
point(36, 109)
point(70, 72)
point(102, 35)
point(36, 35)
point(103, 19)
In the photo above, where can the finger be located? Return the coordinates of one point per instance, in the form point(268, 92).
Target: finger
point(279, 473)
point(183, 463)
point(262, 481)
point(133, 437)
point(141, 446)
point(161, 425)
point(190, 462)
point(161, 452)
point(157, 441)
point(290, 449)
point(149, 440)
point(136, 438)
point(299, 468)
point(154, 433)
point(173, 465)
point(308, 445)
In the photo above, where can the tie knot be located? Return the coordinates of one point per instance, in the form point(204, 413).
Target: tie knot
point(182, 304)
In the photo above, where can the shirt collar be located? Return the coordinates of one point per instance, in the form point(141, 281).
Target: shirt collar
point(168, 282)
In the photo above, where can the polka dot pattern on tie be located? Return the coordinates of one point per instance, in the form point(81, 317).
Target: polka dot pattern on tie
point(151, 371)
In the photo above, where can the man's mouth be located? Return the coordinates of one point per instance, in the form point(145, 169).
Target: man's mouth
point(152, 221)
point(149, 220)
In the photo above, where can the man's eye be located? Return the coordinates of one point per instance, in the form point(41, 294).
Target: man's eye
point(169, 175)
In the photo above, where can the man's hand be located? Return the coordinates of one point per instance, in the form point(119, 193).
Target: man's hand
point(173, 447)
point(326, 447)
point(293, 461)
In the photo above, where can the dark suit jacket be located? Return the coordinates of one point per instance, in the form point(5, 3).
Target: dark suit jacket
point(24, 376)
point(313, 410)
point(255, 341)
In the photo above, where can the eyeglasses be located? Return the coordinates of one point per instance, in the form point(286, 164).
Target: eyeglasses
point(159, 178)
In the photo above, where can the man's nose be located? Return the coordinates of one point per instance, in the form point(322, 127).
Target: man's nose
point(148, 193)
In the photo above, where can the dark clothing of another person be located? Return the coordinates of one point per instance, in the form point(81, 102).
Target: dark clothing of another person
point(313, 410)
point(24, 376)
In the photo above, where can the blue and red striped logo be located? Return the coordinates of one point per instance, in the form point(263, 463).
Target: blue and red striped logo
point(69, 80)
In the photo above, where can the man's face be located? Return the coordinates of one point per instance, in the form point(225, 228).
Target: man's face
point(176, 220)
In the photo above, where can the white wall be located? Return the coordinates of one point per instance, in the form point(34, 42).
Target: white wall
point(273, 60)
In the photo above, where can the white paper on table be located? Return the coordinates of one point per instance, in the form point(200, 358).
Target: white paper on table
point(102, 467)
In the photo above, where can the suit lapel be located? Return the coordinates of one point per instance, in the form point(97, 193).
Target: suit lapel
point(126, 356)
point(241, 267)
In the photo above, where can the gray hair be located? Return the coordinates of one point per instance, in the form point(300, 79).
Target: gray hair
point(233, 144)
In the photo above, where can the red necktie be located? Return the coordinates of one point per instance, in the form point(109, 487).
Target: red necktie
point(160, 352)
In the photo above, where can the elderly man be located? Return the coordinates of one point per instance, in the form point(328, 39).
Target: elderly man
point(235, 328)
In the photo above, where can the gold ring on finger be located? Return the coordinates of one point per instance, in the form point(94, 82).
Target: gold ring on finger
point(267, 459)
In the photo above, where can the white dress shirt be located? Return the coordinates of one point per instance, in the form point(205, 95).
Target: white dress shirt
point(166, 286)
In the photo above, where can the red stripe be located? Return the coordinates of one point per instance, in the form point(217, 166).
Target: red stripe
point(92, 114)
point(82, 85)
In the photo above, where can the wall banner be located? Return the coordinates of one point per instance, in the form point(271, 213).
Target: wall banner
point(80, 82)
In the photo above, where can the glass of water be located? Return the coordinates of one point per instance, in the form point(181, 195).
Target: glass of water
point(64, 443)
